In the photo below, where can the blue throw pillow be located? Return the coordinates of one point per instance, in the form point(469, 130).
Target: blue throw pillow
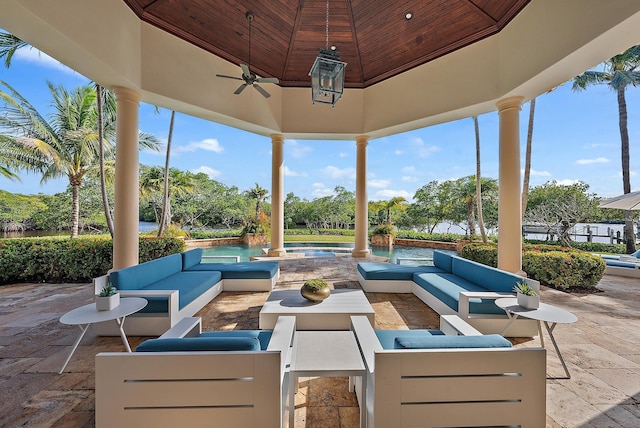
point(443, 342)
point(188, 344)
point(191, 258)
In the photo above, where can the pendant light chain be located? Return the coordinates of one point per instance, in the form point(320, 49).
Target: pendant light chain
point(327, 28)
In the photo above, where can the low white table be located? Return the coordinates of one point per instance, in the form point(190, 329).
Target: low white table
point(86, 315)
point(545, 313)
point(334, 313)
point(326, 354)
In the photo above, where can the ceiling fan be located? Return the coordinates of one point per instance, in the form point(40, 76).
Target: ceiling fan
point(249, 78)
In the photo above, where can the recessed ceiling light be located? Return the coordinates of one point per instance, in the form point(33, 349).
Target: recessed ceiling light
point(408, 16)
point(333, 47)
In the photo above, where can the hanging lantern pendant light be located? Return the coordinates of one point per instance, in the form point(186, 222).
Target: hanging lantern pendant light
point(327, 73)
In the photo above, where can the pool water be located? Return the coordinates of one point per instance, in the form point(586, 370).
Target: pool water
point(245, 251)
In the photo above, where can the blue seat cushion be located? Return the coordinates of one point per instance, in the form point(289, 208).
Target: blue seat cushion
point(190, 285)
point(191, 258)
point(446, 287)
point(619, 263)
point(139, 276)
point(442, 260)
point(485, 276)
point(263, 336)
point(242, 270)
point(443, 342)
point(188, 344)
point(387, 338)
point(388, 271)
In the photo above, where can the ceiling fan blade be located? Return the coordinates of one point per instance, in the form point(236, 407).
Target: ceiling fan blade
point(262, 91)
point(267, 80)
point(245, 70)
point(229, 77)
point(240, 88)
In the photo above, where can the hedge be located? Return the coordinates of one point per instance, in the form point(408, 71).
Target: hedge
point(558, 267)
point(58, 260)
point(591, 247)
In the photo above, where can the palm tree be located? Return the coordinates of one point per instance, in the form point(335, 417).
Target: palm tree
point(9, 45)
point(259, 194)
point(166, 201)
point(67, 145)
point(620, 72)
point(483, 233)
point(527, 157)
point(152, 181)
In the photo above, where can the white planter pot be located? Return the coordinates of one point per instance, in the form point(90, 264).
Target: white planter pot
point(528, 302)
point(107, 303)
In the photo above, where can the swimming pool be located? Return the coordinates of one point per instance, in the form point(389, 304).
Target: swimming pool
point(315, 250)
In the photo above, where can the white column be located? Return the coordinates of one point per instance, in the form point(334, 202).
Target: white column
point(125, 234)
point(277, 197)
point(509, 201)
point(362, 210)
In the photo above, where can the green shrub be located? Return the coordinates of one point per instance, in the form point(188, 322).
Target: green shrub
point(309, 231)
point(384, 229)
point(213, 234)
point(558, 267)
point(424, 236)
point(56, 260)
point(591, 247)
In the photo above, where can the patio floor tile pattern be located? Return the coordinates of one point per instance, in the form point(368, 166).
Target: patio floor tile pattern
point(601, 350)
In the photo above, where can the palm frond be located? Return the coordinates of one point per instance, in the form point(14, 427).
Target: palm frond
point(9, 44)
point(589, 78)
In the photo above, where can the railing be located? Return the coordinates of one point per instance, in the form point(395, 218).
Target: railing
point(236, 259)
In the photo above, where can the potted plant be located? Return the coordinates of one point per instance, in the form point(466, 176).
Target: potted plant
point(315, 290)
point(527, 297)
point(108, 299)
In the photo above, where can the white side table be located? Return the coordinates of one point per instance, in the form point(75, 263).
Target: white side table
point(328, 354)
point(86, 315)
point(545, 313)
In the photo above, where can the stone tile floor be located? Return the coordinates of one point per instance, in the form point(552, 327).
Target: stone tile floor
point(601, 351)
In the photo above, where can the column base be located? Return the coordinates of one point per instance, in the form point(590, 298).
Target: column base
point(277, 252)
point(360, 253)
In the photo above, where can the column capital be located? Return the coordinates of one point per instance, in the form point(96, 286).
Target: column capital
point(277, 138)
point(510, 103)
point(126, 94)
point(362, 139)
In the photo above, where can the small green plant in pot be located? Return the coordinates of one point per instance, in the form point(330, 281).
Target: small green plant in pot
point(108, 298)
point(527, 297)
point(315, 290)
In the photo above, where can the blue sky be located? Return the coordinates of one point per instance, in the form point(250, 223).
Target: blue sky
point(576, 137)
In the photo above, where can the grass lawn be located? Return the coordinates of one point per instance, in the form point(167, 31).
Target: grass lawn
point(319, 238)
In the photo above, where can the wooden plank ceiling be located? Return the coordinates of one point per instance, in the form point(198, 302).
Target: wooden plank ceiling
point(372, 36)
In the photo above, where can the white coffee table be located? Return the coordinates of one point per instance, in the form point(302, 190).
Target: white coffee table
point(86, 315)
point(326, 354)
point(333, 313)
point(545, 313)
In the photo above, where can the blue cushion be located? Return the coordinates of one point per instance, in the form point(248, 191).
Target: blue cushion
point(389, 271)
point(139, 276)
point(636, 254)
point(242, 270)
point(387, 338)
point(200, 344)
point(442, 342)
point(618, 263)
point(446, 287)
point(191, 258)
point(190, 285)
point(263, 336)
point(485, 276)
point(442, 260)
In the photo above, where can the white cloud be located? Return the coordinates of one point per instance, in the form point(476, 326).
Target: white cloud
point(398, 152)
point(380, 184)
point(535, 173)
point(567, 182)
point(208, 144)
point(590, 161)
point(340, 174)
point(296, 149)
point(409, 170)
point(290, 173)
point(387, 194)
point(320, 191)
point(343, 154)
point(422, 149)
point(37, 57)
point(409, 178)
point(212, 173)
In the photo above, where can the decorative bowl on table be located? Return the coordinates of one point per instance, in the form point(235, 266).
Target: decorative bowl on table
point(315, 290)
